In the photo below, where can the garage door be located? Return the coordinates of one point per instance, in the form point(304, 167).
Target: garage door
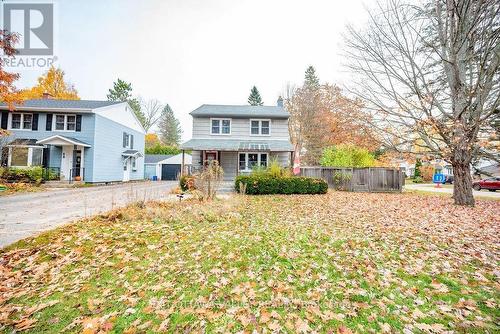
point(170, 172)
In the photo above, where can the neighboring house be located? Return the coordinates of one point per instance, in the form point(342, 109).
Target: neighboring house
point(485, 171)
point(240, 137)
point(97, 141)
point(164, 166)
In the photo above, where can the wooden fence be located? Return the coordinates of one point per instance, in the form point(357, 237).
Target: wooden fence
point(372, 179)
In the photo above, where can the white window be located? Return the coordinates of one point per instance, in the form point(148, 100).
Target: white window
point(220, 126)
point(134, 164)
point(260, 127)
point(21, 156)
point(65, 122)
point(21, 121)
point(248, 161)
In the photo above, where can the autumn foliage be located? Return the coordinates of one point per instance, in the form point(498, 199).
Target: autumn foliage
point(8, 92)
point(53, 83)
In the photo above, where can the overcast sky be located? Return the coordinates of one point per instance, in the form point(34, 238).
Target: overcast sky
point(187, 53)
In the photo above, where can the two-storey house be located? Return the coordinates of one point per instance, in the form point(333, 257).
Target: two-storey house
point(240, 137)
point(92, 141)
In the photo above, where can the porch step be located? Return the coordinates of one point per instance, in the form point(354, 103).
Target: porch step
point(61, 184)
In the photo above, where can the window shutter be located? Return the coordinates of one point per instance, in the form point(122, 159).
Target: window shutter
point(5, 117)
point(78, 125)
point(124, 139)
point(34, 123)
point(131, 141)
point(48, 124)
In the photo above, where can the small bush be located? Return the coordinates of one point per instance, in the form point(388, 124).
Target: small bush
point(260, 185)
point(186, 182)
point(418, 179)
point(273, 169)
point(26, 175)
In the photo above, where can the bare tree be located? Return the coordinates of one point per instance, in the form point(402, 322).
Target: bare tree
point(151, 110)
point(429, 74)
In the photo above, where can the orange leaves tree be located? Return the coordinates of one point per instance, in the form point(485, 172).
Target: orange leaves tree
point(53, 83)
point(321, 116)
point(8, 92)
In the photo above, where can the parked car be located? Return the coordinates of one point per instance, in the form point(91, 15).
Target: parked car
point(492, 184)
point(449, 179)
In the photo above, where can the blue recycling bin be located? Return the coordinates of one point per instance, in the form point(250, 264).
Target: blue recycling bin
point(154, 178)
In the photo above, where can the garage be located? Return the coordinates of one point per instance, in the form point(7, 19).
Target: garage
point(170, 172)
point(163, 166)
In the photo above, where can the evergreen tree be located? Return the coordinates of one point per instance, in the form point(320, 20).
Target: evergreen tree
point(122, 91)
point(254, 98)
point(311, 79)
point(418, 172)
point(170, 128)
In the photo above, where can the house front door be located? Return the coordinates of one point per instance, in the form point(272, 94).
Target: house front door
point(77, 163)
point(126, 170)
point(210, 156)
point(66, 161)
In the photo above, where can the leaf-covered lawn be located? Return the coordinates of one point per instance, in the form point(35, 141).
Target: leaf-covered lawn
point(331, 263)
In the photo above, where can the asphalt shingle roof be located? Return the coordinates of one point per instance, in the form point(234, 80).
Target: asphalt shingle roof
point(213, 110)
point(62, 104)
point(238, 145)
point(155, 158)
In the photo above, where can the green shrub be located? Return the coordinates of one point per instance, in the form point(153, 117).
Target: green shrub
point(418, 179)
point(26, 175)
point(260, 185)
point(347, 156)
point(273, 169)
point(162, 149)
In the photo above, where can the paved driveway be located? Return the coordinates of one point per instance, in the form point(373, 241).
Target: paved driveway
point(26, 215)
point(432, 188)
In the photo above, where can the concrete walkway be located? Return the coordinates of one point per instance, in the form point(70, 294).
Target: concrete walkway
point(22, 216)
point(432, 188)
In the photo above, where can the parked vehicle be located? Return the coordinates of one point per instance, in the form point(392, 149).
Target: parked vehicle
point(449, 179)
point(492, 184)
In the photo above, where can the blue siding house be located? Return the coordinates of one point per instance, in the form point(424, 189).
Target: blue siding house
point(91, 141)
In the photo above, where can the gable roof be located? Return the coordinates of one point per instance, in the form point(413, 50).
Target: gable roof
point(155, 158)
point(217, 110)
point(62, 104)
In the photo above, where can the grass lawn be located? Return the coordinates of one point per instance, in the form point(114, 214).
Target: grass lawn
point(336, 263)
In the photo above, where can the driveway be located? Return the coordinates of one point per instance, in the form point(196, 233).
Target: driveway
point(432, 188)
point(22, 216)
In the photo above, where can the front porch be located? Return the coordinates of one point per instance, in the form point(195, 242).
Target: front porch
point(65, 154)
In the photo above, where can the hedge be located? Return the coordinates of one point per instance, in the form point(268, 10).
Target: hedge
point(260, 185)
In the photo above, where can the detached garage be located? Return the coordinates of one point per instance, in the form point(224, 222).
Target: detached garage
point(164, 167)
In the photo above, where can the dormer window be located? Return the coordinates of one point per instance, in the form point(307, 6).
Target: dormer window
point(220, 126)
point(260, 127)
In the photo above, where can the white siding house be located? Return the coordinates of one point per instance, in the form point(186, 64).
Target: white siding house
point(240, 137)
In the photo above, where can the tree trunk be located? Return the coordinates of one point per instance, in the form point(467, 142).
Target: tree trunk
point(462, 182)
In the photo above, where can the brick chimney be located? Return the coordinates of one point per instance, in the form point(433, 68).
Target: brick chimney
point(280, 102)
point(47, 96)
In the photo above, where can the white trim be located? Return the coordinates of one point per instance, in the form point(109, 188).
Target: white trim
point(9, 120)
point(69, 141)
point(220, 126)
point(54, 122)
point(259, 154)
point(260, 127)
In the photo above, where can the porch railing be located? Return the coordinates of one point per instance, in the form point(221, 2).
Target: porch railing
point(73, 174)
